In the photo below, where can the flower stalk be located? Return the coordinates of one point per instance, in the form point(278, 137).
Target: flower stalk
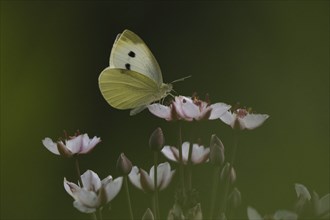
point(181, 158)
point(128, 198)
point(156, 203)
point(78, 172)
point(223, 204)
point(215, 183)
point(189, 167)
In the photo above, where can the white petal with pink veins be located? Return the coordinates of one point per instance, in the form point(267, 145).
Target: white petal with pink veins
point(74, 144)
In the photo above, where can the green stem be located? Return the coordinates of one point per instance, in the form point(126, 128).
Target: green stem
point(215, 180)
point(227, 180)
point(156, 186)
point(93, 216)
point(100, 213)
point(189, 167)
point(78, 172)
point(180, 158)
point(128, 198)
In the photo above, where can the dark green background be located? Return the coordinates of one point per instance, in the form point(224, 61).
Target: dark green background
point(272, 56)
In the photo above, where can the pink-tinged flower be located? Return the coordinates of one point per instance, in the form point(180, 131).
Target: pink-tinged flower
point(80, 144)
point(199, 153)
point(94, 193)
point(145, 181)
point(188, 109)
point(242, 119)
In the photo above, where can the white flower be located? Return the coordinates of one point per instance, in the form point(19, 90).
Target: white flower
point(94, 193)
point(144, 181)
point(199, 153)
point(242, 119)
point(188, 109)
point(80, 144)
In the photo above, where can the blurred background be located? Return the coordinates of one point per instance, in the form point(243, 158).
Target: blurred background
point(272, 56)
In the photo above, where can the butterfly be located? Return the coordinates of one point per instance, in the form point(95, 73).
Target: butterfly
point(134, 79)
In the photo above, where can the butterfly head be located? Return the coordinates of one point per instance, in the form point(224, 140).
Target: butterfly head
point(166, 89)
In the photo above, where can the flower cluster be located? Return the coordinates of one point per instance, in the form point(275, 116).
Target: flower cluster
point(188, 109)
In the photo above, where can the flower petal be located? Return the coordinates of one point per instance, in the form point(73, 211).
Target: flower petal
point(163, 171)
point(171, 153)
point(252, 121)
point(75, 144)
point(164, 175)
point(147, 182)
point(70, 187)
point(88, 144)
point(50, 145)
point(106, 180)
point(160, 111)
point(82, 208)
point(167, 180)
point(189, 109)
point(218, 109)
point(91, 181)
point(200, 154)
point(228, 118)
point(185, 152)
point(134, 177)
point(87, 198)
point(113, 188)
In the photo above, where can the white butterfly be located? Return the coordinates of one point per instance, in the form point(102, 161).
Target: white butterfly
point(134, 79)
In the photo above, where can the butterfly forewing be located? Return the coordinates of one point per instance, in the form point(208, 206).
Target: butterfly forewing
point(131, 53)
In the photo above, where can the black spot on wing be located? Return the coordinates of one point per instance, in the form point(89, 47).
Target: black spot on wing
point(128, 66)
point(131, 54)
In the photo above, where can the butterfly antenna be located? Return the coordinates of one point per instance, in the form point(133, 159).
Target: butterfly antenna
point(179, 80)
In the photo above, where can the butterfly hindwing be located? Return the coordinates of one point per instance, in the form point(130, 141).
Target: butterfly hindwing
point(126, 89)
point(131, 53)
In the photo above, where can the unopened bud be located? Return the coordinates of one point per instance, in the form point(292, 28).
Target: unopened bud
point(156, 141)
point(124, 165)
point(148, 215)
point(195, 213)
point(217, 151)
point(224, 173)
point(235, 198)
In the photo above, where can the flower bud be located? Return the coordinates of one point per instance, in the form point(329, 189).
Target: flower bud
point(224, 173)
point(124, 165)
point(235, 198)
point(156, 141)
point(195, 213)
point(148, 215)
point(217, 151)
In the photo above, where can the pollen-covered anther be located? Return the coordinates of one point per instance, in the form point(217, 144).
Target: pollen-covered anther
point(241, 113)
